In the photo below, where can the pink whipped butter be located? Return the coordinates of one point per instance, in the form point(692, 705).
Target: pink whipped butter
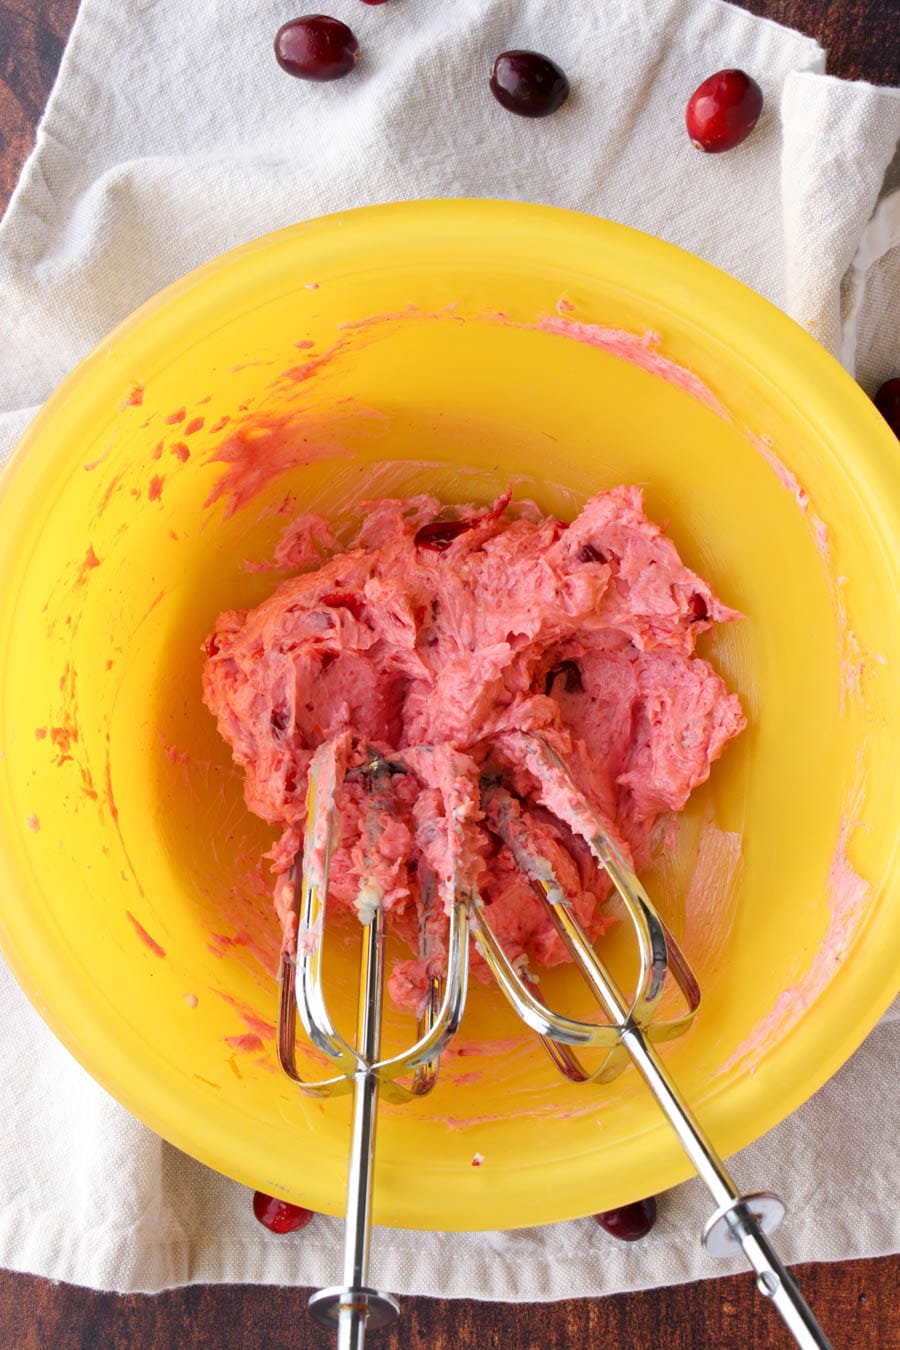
point(434, 638)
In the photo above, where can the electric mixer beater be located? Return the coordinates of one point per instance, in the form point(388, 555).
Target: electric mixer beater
point(739, 1222)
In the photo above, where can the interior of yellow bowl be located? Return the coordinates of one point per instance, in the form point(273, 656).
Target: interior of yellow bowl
point(384, 351)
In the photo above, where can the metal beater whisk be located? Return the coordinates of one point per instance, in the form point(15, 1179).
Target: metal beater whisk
point(739, 1221)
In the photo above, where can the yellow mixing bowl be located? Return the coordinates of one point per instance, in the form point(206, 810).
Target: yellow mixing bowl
point(459, 345)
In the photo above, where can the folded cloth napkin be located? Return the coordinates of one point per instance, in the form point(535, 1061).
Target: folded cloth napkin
point(172, 135)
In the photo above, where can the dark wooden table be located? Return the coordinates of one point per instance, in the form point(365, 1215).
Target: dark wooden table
point(859, 1301)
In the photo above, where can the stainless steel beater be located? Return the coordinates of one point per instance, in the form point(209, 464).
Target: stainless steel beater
point(739, 1221)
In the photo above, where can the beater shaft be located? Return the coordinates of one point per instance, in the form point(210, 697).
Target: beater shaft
point(740, 1220)
point(358, 1224)
point(354, 1305)
point(744, 1216)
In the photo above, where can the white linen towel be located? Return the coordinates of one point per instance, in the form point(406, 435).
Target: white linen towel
point(172, 135)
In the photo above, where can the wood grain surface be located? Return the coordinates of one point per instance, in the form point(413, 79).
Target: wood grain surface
point(858, 1302)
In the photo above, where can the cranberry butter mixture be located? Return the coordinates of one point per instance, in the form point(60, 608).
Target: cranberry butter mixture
point(435, 638)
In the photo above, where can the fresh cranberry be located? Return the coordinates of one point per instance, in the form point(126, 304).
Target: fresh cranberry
point(439, 534)
point(572, 672)
point(723, 110)
point(316, 47)
point(280, 1216)
point(528, 84)
point(590, 554)
point(278, 719)
point(887, 401)
point(629, 1223)
point(345, 600)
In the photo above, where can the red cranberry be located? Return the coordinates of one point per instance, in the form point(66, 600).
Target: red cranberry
point(698, 608)
point(723, 110)
point(280, 1216)
point(345, 600)
point(279, 718)
point(528, 84)
point(590, 554)
point(439, 534)
point(887, 401)
point(572, 672)
point(629, 1223)
point(316, 48)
